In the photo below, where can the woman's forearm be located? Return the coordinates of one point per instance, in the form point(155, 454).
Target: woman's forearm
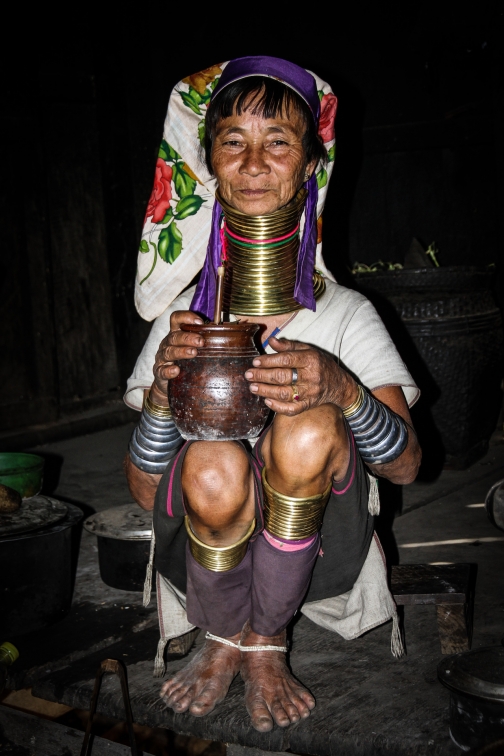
point(142, 485)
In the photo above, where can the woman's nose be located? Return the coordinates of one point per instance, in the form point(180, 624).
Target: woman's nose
point(254, 162)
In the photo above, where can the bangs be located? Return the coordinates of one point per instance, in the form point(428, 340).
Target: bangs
point(260, 96)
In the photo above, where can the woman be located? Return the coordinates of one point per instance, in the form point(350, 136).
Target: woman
point(306, 479)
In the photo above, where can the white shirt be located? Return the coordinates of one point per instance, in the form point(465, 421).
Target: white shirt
point(345, 324)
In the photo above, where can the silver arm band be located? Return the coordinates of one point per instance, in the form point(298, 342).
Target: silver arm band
point(154, 442)
point(380, 435)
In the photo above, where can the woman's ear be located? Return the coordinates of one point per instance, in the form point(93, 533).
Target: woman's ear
point(310, 167)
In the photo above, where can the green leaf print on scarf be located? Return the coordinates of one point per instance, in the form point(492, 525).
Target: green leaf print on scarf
point(321, 178)
point(166, 152)
point(170, 243)
point(201, 132)
point(331, 154)
point(192, 99)
point(188, 206)
point(184, 184)
point(169, 214)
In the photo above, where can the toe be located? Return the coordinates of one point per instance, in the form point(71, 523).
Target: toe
point(180, 703)
point(206, 701)
point(292, 710)
point(305, 697)
point(284, 713)
point(260, 716)
point(262, 722)
point(301, 705)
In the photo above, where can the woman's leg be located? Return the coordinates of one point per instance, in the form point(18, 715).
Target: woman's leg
point(218, 489)
point(302, 456)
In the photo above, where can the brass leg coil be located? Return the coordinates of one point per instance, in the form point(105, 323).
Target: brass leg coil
point(290, 518)
point(218, 558)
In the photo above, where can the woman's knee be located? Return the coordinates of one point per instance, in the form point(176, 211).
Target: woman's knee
point(307, 448)
point(215, 478)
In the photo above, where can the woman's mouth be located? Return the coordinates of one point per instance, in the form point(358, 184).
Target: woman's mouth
point(253, 192)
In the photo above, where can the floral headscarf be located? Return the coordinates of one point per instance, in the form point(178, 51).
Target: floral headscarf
point(178, 220)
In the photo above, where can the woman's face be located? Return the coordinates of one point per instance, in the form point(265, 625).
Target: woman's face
point(258, 162)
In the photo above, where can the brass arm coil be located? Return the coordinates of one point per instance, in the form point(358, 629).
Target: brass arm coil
point(156, 410)
point(218, 558)
point(291, 518)
point(353, 408)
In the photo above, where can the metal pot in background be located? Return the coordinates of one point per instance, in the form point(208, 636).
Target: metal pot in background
point(23, 472)
point(448, 329)
point(494, 504)
point(124, 535)
point(36, 564)
point(475, 680)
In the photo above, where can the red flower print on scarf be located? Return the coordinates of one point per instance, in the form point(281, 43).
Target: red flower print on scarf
point(159, 201)
point(327, 117)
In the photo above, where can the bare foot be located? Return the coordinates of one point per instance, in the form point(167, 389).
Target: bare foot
point(272, 694)
point(204, 682)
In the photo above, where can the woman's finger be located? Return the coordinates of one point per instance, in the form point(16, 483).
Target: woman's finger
point(297, 359)
point(279, 393)
point(284, 345)
point(180, 338)
point(279, 376)
point(287, 408)
point(179, 317)
point(167, 372)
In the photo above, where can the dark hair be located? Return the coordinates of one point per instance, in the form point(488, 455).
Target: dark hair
point(270, 98)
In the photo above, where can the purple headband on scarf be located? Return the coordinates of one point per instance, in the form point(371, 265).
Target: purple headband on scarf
point(304, 84)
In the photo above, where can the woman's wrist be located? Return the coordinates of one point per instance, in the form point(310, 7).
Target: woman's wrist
point(347, 391)
point(157, 396)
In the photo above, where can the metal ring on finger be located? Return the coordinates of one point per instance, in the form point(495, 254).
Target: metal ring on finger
point(294, 375)
point(295, 396)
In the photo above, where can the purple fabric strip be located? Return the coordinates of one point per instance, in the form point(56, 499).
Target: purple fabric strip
point(280, 581)
point(219, 601)
point(303, 292)
point(204, 296)
point(304, 84)
point(276, 68)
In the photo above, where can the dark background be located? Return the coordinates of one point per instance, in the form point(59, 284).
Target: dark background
point(419, 153)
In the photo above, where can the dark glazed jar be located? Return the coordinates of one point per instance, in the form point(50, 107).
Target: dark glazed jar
point(210, 399)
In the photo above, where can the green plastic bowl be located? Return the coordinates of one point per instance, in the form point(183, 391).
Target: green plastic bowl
point(22, 472)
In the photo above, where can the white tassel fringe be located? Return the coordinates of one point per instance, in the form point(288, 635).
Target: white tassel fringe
point(374, 497)
point(396, 642)
point(159, 662)
point(148, 574)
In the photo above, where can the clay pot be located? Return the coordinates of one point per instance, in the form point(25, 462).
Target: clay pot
point(210, 399)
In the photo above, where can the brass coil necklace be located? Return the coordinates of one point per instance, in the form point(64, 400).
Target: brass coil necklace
point(261, 252)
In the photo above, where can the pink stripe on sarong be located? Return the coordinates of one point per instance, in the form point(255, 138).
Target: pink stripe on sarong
point(338, 493)
point(288, 545)
point(170, 486)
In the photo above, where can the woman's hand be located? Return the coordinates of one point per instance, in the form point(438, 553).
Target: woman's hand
point(320, 379)
point(178, 345)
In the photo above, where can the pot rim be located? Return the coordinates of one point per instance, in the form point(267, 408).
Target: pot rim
point(108, 523)
point(426, 271)
point(73, 517)
point(37, 463)
point(219, 327)
point(462, 682)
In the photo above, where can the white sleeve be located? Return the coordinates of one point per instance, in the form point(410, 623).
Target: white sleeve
point(143, 375)
point(369, 353)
